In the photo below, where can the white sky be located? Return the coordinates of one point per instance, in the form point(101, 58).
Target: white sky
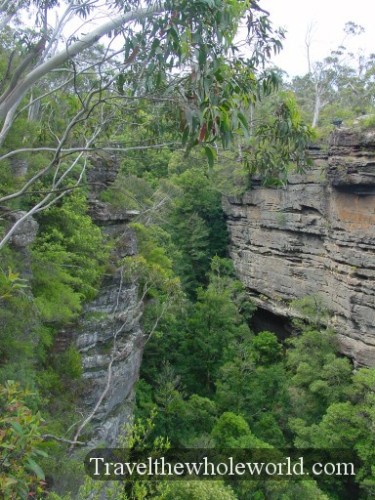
point(329, 18)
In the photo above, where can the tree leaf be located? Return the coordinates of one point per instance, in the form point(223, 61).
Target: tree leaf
point(202, 132)
point(243, 121)
point(9, 481)
point(17, 427)
point(34, 467)
point(210, 154)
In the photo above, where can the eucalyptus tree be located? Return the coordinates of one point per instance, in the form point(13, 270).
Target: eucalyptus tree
point(338, 86)
point(65, 90)
point(177, 51)
point(169, 33)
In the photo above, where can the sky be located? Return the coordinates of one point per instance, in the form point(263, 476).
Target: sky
point(328, 18)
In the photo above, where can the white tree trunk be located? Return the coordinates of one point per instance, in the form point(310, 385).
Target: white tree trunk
point(317, 107)
point(69, 52)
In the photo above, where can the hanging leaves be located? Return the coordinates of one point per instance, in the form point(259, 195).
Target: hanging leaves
point(280, 142)
point(210, 154)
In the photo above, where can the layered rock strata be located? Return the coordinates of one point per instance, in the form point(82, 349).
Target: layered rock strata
point(111, 344)
point(315, 237)
point(110, 337)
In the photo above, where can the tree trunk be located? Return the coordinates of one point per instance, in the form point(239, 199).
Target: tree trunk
point(24, 85)
point(317, 108)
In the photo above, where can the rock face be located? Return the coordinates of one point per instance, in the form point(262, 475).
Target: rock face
point(315, 237)
point(22, 238)
point(25, 233)
point(110, 338)
point(111, 343)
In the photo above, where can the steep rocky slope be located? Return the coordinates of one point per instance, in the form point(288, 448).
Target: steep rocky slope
point(315, 237)
point(110, 338)
point(111, 342)
point(108, 335)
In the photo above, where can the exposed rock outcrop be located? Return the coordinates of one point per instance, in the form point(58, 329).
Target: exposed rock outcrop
point(25, 233)
point(111, 343)
point(110, 338)
point(21, 239)
point(315, 236)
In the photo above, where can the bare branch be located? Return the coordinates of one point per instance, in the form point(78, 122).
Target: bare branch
point(68, 151)
point(48, 200)
point(70, 52)
point(47, 437)
point(82, 114)
point(308, 41)
point(69, 80)
point(115, 356)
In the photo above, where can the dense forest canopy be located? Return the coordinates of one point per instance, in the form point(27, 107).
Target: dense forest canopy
point(162, 88)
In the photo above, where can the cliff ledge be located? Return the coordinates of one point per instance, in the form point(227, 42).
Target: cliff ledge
point(315, 236)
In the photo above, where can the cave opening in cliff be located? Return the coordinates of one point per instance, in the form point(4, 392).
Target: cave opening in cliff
point(266, 320)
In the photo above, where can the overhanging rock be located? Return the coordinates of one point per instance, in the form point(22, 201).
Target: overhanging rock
point(315, 236)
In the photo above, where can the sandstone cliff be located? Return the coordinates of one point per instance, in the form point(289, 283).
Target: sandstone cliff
point(111, 343)
point(109, 337)
point(315, 236)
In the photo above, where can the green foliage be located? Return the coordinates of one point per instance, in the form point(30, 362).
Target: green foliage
point(152, 270)
point(169, 403)
point(295, 490)
point(312, 308)
point(232, 431)
point(11, 284)
point(266, 348)
point(348, 424)
point(254, 392)
point(197, 340)
point(8, 183)
point(200, 415)
point(280, 142)
point(211, 329)
point(197, 226)
point(19, 323)
point(129, 192)
point(69, 364)
point(201, 35)
point(68, 260)
point(318, 376)
point(20, 444)
point(152, 164)
point(200, 490)
point(156, 247)
point(368, 122)
point(134, 437)
point(267, 428)
point(53, 286)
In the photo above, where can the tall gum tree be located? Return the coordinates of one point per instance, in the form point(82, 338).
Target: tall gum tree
point(179, 52)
